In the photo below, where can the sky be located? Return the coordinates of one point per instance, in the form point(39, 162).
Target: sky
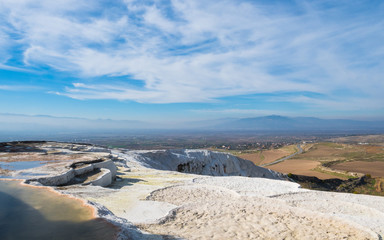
point(175, 60)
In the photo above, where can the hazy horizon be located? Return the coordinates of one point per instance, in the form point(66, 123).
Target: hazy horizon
point(11, 124)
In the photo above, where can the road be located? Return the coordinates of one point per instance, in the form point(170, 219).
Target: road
point(284, 158)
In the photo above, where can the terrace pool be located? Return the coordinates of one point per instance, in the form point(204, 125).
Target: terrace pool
point(39, 214)
point(15, 166)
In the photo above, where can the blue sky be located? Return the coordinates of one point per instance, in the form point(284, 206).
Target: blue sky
point(186, 60)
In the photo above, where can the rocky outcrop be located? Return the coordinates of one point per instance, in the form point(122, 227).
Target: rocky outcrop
point(202, 162)
point(79, 169)
point(57, 180)
point(333, 184)
point(104, 179)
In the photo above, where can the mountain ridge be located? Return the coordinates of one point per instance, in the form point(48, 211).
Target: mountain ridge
point(20, 122)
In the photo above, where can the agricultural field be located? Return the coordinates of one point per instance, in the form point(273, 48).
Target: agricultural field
point(364, 139)
point(326, 160)
point(329, 160)
point(375, 168)
point(303, 167)
point(260, 157)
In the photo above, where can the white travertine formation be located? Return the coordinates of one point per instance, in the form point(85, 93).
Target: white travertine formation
point(107, 167)
point(202, 162)
point(104, 180)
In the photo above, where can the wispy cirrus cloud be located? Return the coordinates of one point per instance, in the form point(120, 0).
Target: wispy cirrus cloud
point(199, 51)
point(19, 88)
point(16, 69)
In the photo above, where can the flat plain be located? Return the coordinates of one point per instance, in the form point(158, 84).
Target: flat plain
point(267, 156)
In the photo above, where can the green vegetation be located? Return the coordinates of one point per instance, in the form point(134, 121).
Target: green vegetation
point(363, 156)
point(362, 185)
point(372, 187)
point(336, 174)
point(331, 163)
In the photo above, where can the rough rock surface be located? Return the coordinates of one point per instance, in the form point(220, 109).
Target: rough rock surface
point(202, 162)
point(210, 214)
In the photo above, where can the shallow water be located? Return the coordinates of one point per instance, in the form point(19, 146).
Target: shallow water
point(15, 166)
point(39, 214)
point(23, 176)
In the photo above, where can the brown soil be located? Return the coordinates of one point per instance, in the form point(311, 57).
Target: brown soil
point(300, 167)
point(325, 151)
point(372, 149)
point(253, 157)
point(372, 139)
point(333, 151)
point(376, 169)
point(267, 156)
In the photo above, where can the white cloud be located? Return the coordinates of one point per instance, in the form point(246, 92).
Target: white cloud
point(15, 69)
point(198, 51)
point(18, 88)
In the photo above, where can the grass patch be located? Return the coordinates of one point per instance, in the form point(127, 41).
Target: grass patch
point(337, 153)
point(364, 156)
point(336, 174)
point(331, 163)
point(262, 156)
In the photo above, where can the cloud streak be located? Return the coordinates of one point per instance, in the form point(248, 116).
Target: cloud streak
point(18, 88)
point(199, 51)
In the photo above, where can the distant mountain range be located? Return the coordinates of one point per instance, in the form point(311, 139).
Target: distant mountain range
point(281, 123)
point(18, 122)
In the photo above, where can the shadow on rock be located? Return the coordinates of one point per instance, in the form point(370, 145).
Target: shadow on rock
point(122, 182)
